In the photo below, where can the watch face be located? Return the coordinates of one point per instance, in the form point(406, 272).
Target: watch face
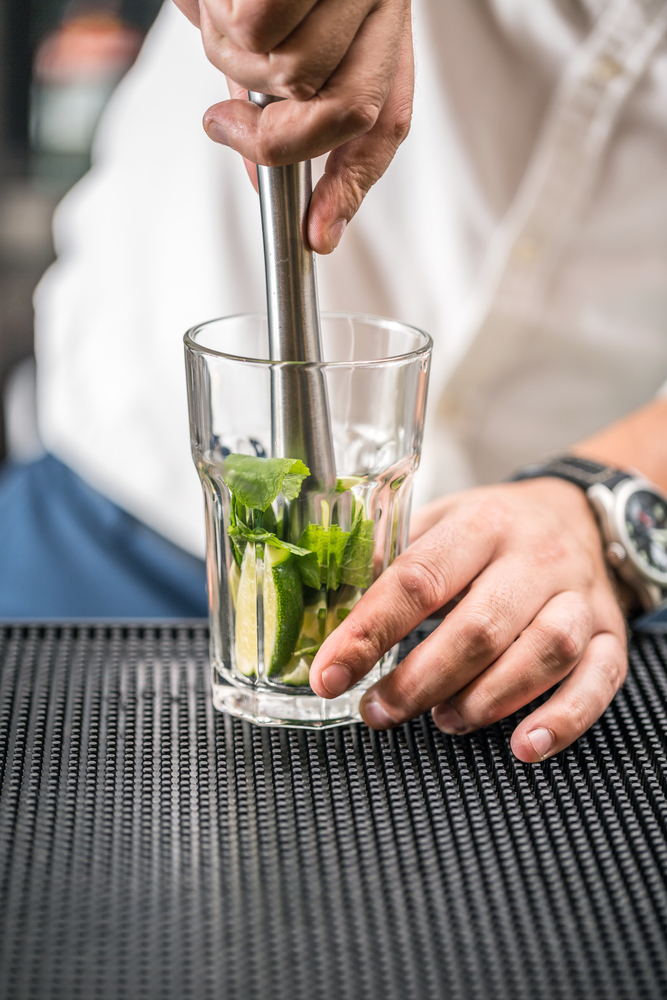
point(646, 527)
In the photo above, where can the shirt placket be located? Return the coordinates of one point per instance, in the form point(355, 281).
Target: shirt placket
point(509, 300)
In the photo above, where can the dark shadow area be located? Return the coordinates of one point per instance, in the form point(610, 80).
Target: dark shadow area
point(59, 63)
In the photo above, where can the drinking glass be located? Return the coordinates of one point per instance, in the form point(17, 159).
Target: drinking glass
point(288, 557)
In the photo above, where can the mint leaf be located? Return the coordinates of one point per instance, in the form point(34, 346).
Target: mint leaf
point(356, 564)
point(241, 530)
point(327, 557)
point(328, 546)
point(342, 556)
point(236, 516)
point(256, 482)
point(268, 522)
point(338, 540)
point(294, 478)
point(308, 567)
point(310, 571)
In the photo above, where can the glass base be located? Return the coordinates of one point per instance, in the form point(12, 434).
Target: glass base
point(300, 710)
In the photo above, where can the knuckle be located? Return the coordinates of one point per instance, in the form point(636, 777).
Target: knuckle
point(359, 178)
point(214, 48)
point(367, 635)
point(247, 29)
point(578, 714)
point(270, 150)
point(408, 694)
point(360, 115)
point(400, 124)
point(420, 581)
point(614, 672)
point(295, 85)
point(485, 709)
point(492, 514)
point(619, 672)
point(561, 642)
point(547, 551)
point(479, 634)
point(253, 41)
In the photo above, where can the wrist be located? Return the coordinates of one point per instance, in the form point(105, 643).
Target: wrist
point(570, 503)
point(631, 515)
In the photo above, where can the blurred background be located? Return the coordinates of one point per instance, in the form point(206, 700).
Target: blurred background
point(60, 61)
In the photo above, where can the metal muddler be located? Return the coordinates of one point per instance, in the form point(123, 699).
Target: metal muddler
point(301, 423)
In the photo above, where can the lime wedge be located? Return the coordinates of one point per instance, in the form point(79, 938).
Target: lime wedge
point(245, 643)
point(283, 610)
point(297, 672)
point(234, 580)
point(314, 618)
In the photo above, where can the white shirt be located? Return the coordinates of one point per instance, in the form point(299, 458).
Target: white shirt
point(523, 224)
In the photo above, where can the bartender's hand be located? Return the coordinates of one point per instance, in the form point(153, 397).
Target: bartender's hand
point(538, 608)
point(345, 68)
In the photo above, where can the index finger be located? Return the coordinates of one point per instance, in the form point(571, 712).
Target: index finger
point(430, 573)
point(256, 25)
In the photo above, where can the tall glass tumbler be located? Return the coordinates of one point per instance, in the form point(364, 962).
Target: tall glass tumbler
point(288, 557)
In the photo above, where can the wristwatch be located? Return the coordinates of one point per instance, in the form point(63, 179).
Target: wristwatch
point(632, 516)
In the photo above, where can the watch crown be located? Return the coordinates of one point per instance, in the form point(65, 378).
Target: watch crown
point(616, 554)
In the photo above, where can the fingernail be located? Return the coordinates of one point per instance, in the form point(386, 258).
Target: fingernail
point(336, 679)
point(542, 741)
point(215, 131)
point(336, 231)
point(375, 716)
point(448, 720)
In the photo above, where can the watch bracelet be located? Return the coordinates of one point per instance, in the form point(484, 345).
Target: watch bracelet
point(581, 472)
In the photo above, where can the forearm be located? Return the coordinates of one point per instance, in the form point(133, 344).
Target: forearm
point(638, 441)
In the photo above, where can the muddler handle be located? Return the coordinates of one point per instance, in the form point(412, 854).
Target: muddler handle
point(301, 422)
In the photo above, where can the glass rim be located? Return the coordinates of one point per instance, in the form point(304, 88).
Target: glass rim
point(420, 352)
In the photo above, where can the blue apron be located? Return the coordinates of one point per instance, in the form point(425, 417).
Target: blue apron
point(68, 552)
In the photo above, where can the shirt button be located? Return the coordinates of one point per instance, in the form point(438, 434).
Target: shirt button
point(605, 68)
point(526, 250)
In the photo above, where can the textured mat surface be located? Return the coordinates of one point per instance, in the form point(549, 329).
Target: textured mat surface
point(153, 848)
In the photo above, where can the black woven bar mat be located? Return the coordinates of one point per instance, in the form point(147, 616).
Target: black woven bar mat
point(153, 848)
